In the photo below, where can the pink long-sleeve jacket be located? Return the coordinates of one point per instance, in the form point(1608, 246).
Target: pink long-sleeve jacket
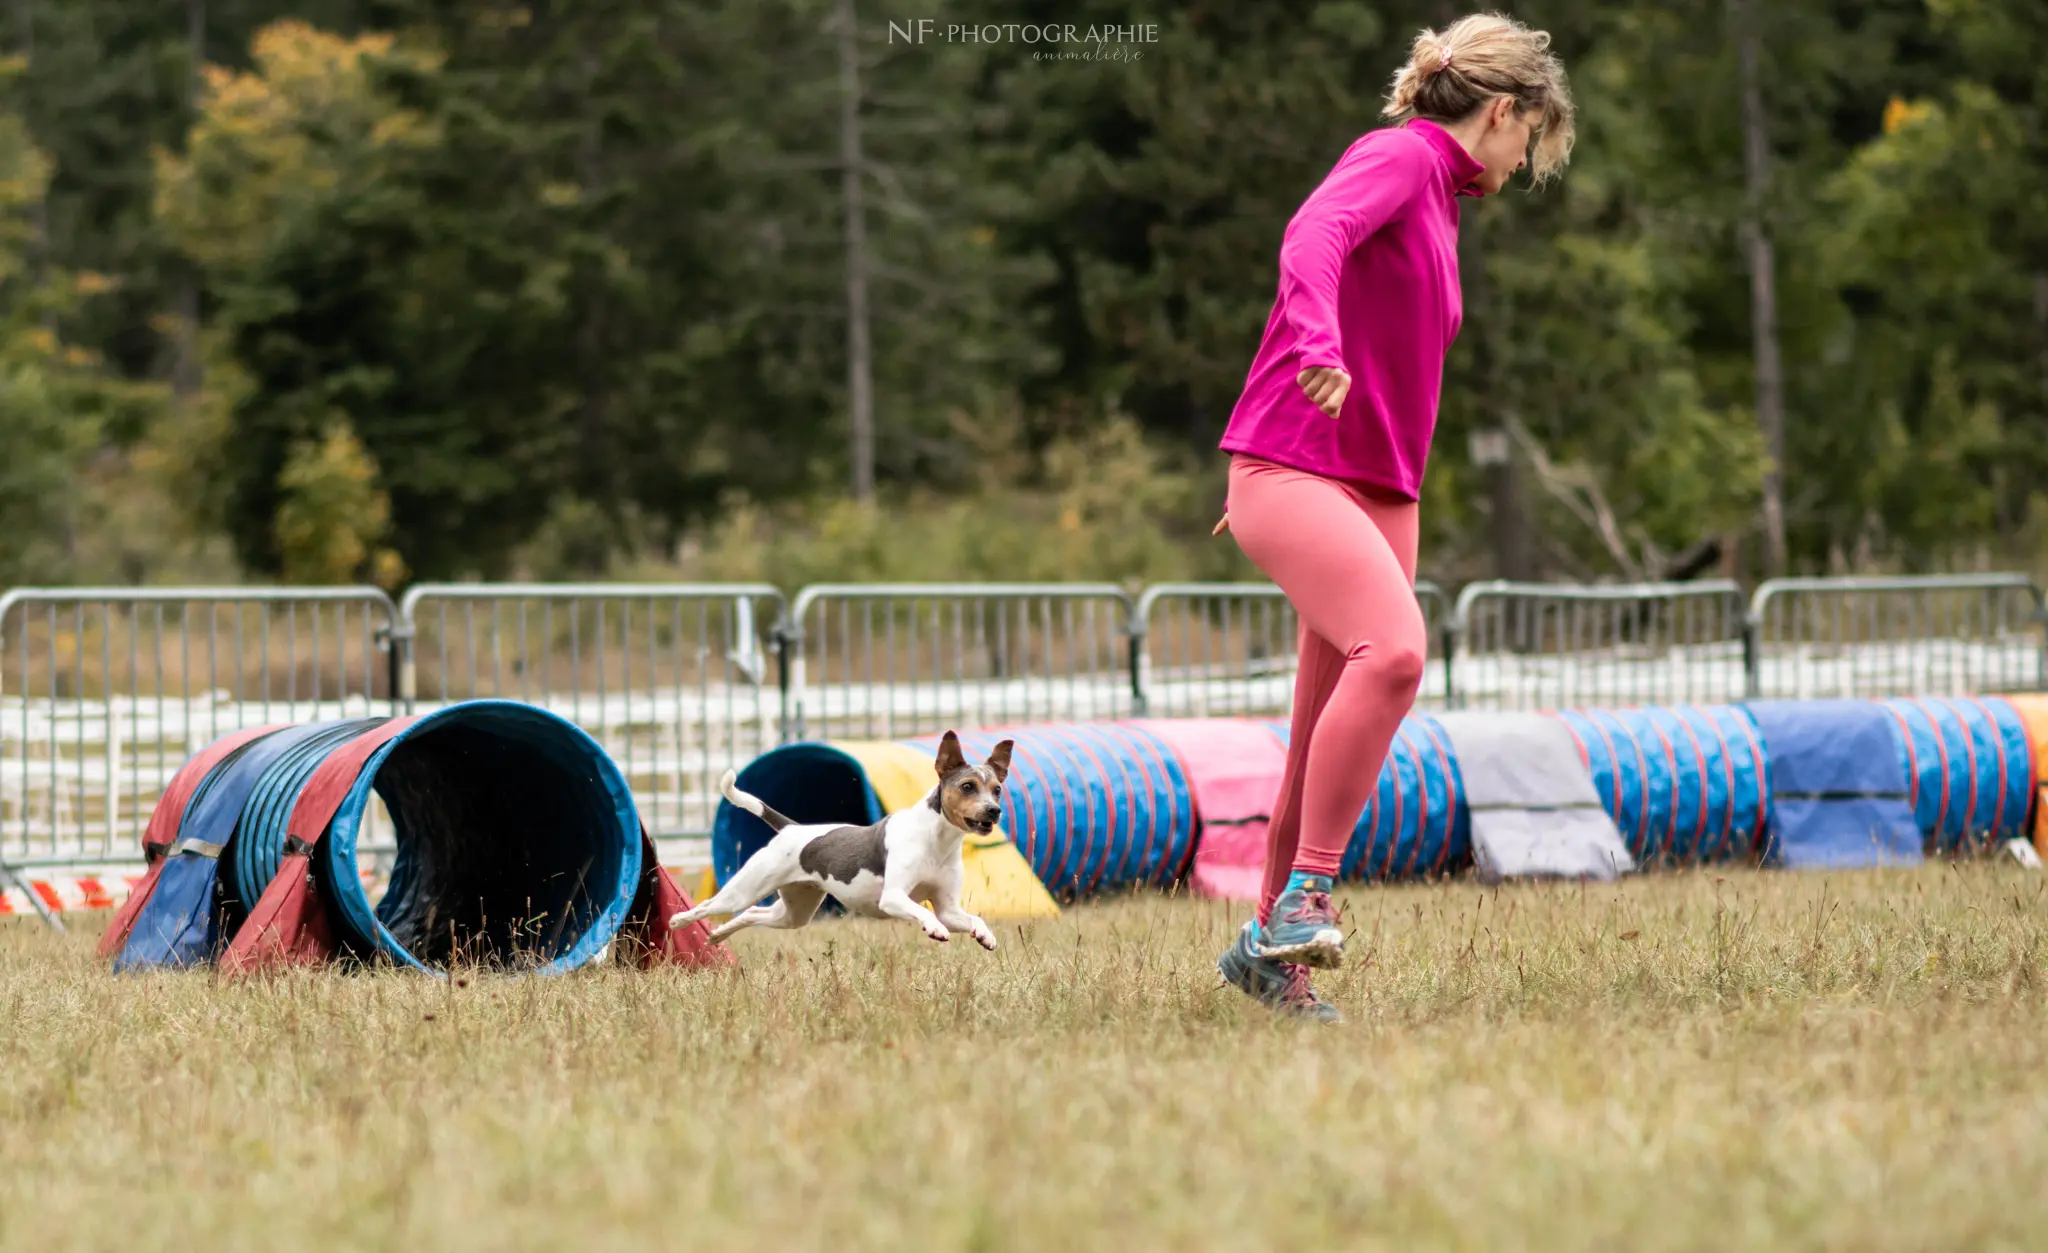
point(1369, 284)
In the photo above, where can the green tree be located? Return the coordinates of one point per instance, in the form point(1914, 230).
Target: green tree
point(333, 516)
point(56, 398)
point(304, 194)
point(1938, 242)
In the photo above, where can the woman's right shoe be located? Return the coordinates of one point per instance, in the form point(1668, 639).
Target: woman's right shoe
point(1303, 925)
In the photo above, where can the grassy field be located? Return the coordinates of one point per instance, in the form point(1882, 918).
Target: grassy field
point(1682, 1062)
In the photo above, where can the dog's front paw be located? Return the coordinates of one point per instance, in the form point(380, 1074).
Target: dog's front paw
point(986, 938)
point(938, 933)
point(678, 918)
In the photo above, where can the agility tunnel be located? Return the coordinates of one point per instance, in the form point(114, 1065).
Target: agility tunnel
point(1969, 770)
point(1234, 769)
point(1684, 784)
point(518, 846)
point(1098, 807)
point(1103, 807)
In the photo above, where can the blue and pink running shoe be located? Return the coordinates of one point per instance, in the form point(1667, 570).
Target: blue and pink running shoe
point(1280, 986)
point(1304, 925)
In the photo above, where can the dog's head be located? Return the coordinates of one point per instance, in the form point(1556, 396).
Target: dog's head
point(971, 797)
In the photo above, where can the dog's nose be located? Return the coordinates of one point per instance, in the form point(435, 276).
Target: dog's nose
point(994, 813)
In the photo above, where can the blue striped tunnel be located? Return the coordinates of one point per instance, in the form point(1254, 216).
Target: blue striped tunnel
point(1968, 769)
point(1095, 807)
point(1684, 783)
point(1416, 823)
point(253, 855)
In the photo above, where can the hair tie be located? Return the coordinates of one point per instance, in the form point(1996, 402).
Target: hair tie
point(1445, 64)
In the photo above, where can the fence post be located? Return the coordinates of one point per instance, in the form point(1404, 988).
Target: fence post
point(1752, 647)
point(1138, 629)
point(398, 657)
point(1454, 635)
point(789, 660)
point(1449, 633)
point(2041, 616)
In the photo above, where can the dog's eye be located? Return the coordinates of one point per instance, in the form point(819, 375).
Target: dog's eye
point(967, 788)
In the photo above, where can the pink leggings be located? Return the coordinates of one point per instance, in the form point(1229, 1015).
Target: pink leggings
point(1345, 556)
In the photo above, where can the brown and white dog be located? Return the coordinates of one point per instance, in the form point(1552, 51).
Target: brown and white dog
point(881, 871)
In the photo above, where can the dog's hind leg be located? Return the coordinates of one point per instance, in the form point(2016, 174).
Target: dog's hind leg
point(761, 875)
point(796, 905)
point(752, 916)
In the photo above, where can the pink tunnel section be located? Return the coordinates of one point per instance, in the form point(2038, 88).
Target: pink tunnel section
point(1233, 768)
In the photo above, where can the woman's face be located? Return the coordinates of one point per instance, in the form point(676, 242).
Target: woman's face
point(1503, 145)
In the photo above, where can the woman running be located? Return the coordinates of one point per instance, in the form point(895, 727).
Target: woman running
point(1329, 440)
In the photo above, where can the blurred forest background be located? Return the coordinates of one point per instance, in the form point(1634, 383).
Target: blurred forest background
point(387, 290)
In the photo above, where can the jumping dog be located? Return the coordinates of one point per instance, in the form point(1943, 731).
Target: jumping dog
point(880, 871)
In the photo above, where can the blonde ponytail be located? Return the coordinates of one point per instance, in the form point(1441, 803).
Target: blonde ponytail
point(1454, 71)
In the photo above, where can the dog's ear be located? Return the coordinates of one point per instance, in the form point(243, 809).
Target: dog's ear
point(999, 761)
point(950, 756)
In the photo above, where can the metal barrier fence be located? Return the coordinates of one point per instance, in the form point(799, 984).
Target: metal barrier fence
point(1541, 646)
point(881, 661)
point(1201, 650)
point(104, 692)
point(672, 679)
point(1940, 635)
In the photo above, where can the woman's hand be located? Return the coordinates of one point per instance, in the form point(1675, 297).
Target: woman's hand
point(1327, 387)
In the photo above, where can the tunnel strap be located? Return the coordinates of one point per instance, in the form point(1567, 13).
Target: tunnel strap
point(323, 793)
point(288, 925)
point(197, 846)
point(1843, 794)
point(162, 829)
point(1552, 807)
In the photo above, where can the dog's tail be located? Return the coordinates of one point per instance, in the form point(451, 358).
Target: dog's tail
point(752, 804)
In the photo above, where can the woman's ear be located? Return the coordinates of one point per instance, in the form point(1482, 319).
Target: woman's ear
point(1501, 110)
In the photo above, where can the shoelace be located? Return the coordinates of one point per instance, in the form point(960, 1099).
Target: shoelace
point(1314, 907)
point(1298, 991)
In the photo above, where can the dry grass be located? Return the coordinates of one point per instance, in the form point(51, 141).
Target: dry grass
point(1847, 1062)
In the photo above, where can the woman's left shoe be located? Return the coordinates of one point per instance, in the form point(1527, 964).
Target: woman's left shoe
point(1279, 986)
